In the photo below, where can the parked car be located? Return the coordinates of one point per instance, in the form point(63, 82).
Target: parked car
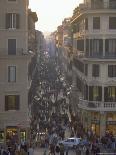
point(70, 142)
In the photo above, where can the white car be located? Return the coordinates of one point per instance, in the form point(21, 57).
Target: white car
point(71, 142)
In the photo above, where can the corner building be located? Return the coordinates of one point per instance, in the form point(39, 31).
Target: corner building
point(94, 64)
point(14, 60)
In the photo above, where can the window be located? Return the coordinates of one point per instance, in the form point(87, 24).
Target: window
point(111, 70)
point(112, 22)
point(112, 4)
point(96, 47)
point(95, 93)
point(96, 22)
point(80, 45)
point(110, 47)
point(95, 70)
point(110, 94)
point(12, 21)
point(11, 46)
point(11, 73)
point(86, 69)
point(86, 23)
point(11, 102)
point(12, 0)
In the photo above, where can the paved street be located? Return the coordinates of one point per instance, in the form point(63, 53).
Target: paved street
point(41, 152)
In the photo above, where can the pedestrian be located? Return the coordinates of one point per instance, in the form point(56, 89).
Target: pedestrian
point(97, 151)
point(45, 152)
point(87, 151)
point(30, 150)
point(57, 149)
point(66, 149)
point(1, 150)
point(61, 149)
point(52, 149)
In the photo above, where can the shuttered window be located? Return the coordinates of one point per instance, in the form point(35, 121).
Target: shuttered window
point(12, 102)
point(86, 23)
point(96, 22)
point(95, 70)
point(111, 70)
point(11, 73)
point(112, 22)
point(12, 21)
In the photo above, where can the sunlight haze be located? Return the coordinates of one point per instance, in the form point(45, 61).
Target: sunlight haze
point(52, 12)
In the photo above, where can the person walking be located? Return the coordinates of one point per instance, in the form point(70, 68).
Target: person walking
point(57, 149)
point(66, 150)
point(30, 150)
point(61, 149)
point(87, 151)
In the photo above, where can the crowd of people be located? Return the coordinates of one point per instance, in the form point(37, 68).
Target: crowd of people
point(17, 149)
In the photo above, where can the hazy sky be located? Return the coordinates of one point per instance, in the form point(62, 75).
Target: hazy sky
point(52, 12)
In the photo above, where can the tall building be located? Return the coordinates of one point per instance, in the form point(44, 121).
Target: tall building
point(14, 60)
point(94, 48)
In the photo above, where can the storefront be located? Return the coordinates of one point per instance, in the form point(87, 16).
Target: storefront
point(95, 123)
point(95, 127)
point(111, 127)
point(14, 134)
point(111, 123)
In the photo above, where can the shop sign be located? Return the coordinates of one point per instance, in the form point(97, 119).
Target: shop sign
point(111, 122)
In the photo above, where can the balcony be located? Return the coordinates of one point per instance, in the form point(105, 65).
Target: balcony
point(18, 52)
point(97, 105)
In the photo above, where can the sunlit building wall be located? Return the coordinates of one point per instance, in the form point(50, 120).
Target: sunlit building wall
point(94, 64)
point(14, 59)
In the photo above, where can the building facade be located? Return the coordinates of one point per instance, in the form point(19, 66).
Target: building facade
point(94, 64)
point(14, 60)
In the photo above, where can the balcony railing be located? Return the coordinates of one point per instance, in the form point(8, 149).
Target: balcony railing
point(97, 105)
point(18, 52)
point(108, 55)
point(103, 5)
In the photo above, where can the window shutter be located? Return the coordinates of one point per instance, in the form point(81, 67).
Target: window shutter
point(91, 45)
point(100, 93)
point(101, 47)
point(17, 102)
point(8, 73)
point(105, 94)
point(90, 93)
point(6, 103)
point(87, 47)
point(7, 20)
point(107, 45)
point(17, 21)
